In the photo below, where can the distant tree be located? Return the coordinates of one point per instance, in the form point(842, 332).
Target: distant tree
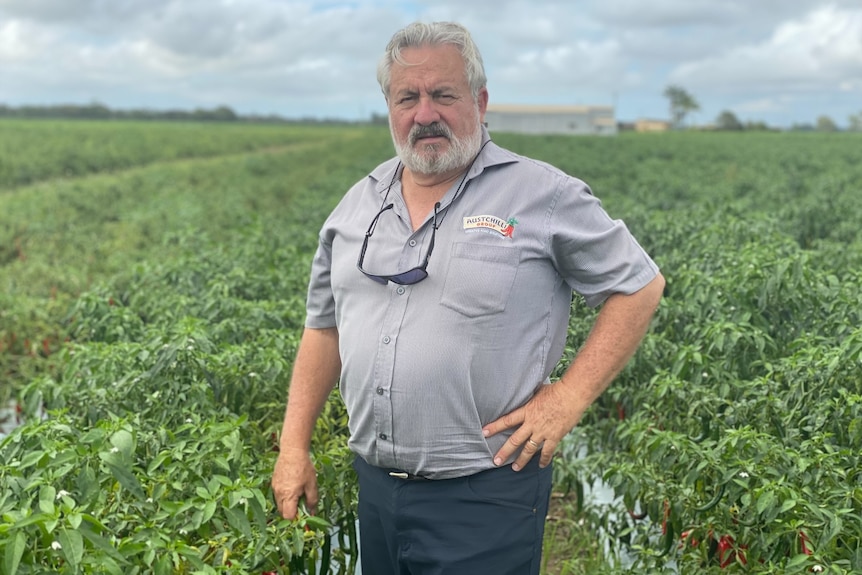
point(802, 128)
point(727, 120)
point(855, 122)
point(825, 124)
point(382, 119)
point(681, 103)
point(759, 126)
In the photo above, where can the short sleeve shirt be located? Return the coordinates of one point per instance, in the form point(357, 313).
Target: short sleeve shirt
point(425, 366)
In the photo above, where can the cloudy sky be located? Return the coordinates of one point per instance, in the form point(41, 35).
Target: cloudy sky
point(779, 61)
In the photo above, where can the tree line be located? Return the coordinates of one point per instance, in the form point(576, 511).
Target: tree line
point(682, 103)
point(97, 111)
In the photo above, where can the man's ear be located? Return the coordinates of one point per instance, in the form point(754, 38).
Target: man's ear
point(482, 100)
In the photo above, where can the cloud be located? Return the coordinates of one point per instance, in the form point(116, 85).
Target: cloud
point(314, 57)
point(820, 51)
point(254, 50)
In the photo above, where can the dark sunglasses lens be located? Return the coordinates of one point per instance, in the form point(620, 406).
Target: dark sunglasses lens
point(378, 279)
point(410, 277)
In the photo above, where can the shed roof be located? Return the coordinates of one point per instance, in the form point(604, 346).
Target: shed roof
point(546, 109)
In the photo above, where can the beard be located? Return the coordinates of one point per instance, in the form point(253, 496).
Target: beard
point(428, 158)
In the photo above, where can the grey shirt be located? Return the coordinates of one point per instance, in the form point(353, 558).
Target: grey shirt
point(424, 367)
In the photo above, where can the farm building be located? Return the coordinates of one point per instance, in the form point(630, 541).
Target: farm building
point(526, 119)
point(647, 125)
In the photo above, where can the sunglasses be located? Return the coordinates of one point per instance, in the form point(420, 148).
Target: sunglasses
point(420, 272)
point(409, 277)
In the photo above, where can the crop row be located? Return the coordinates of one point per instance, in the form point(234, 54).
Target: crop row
point(36, 150)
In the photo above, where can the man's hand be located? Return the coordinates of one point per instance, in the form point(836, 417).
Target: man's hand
point(555, 409)
point(294, 478)
point(542, 422)
point(315, 372)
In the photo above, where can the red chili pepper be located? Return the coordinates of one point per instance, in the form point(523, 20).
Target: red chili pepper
point(803, 543)
point(693, 541)
point(728, 551)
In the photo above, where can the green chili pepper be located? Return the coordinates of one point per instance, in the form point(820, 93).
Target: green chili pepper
point(714, 501)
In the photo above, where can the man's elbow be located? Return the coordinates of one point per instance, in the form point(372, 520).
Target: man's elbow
point(651, 294)
point(657, 286)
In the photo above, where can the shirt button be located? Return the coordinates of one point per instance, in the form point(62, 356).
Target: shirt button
point(400, 290)
point(379, 391)
point(386, 339)
point(412, 243)
point(382, 436)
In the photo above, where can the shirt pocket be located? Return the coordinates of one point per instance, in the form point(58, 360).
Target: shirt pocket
point(479, 278)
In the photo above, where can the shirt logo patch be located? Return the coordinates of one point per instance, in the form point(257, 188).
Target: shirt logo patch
point(490, 224)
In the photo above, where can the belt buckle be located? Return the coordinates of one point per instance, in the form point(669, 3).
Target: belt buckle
point(403, 475)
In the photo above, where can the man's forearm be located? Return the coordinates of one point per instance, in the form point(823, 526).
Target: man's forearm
point(315, 372)
point(616, 335)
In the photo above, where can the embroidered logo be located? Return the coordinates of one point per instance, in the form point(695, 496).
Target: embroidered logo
point(490, 224)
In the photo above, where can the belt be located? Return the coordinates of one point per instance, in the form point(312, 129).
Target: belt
point(407, 476)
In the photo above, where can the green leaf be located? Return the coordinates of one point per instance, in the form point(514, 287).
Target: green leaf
point(238, 520)
point(35, 518)
point(124, 441)
point(14, 551)
point(258, 512)
point(46, 499)
point(75, 520)
point(92, 436)
point(127, 479)
point(73, 547)
point(163, 565)
point(209, 511)
point(317, 522)
point(157, 462)
point(31, 459)
point(765, 501)
point(102, 544)
point(797, 560)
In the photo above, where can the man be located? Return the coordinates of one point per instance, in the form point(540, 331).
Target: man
point(439, 299)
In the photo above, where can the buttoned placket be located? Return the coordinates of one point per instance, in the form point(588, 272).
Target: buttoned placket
point(393, 320)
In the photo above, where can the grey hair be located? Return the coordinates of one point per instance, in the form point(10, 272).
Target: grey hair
point(434, 34)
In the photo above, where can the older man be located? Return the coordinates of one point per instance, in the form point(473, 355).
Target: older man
point(439, 299)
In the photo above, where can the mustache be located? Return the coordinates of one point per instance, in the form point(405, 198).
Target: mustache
point(431, 130)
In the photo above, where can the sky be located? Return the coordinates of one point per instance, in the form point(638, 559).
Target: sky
point(783, 62)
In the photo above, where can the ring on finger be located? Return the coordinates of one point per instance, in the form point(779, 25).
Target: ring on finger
point(533, 443)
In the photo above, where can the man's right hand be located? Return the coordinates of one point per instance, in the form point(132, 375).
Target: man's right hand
point(294, 478)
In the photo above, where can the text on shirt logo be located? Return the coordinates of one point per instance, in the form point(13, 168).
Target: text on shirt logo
point(491, 224)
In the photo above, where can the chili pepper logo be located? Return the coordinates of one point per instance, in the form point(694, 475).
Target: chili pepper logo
point(510, 227)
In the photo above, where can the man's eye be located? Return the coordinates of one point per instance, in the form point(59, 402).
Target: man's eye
point(406, 99)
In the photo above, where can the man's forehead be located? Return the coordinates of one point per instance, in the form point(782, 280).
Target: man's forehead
point(429, 65)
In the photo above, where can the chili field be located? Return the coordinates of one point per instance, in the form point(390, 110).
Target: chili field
point(152, 290)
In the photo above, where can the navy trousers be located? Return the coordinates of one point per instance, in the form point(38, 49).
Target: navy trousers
point(488, 523)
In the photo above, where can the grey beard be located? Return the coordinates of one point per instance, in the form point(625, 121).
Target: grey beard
point(459, 153)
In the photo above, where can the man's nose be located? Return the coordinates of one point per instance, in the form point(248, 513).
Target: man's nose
point(426, 112)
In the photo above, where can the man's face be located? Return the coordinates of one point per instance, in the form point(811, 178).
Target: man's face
point(435, 122)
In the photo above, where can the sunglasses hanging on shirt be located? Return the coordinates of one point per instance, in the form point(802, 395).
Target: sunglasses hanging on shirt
point(420, 272)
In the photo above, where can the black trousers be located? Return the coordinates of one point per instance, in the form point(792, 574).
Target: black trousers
point(488, 523)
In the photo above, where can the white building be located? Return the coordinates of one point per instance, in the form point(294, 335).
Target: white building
point(525, 119)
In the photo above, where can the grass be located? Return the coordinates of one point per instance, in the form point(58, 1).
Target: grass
point(570, 546)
